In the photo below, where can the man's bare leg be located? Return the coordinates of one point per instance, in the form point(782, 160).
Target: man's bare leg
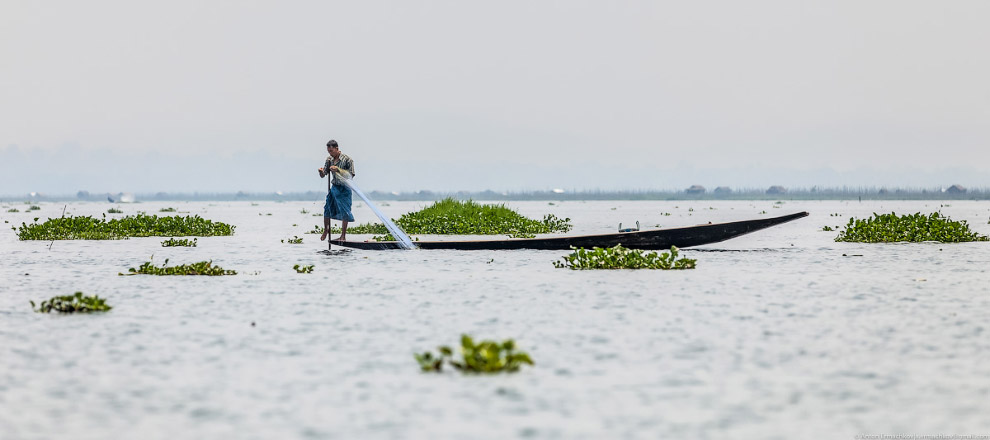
point(326, 228)
point(343, 230)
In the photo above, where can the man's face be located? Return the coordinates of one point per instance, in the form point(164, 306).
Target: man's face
point(333, 151)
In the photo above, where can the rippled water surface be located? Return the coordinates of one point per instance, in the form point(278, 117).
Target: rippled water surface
point(775, 335)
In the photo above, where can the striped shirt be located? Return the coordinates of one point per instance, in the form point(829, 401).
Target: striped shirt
point(343, 162)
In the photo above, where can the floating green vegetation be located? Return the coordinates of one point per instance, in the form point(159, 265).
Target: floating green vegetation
point(892, 228)
point(454, 217)
point(142, 225)
point(827, 228)
point(317, 229)
point(201, 268)
point(303, 269)
point(182, 242)
point(167, 210)
point(521, 235)
point(114, 211)
point(295, 240)
point(13, 210)
point(619, 257)
point(304, 211)
point(34, 208)
point(76, 303)
point(483, 357)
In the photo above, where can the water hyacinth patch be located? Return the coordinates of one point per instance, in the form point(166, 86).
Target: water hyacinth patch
point(142, 225)
point(892, 228)
point(619, 257)
point(13, 210)
point(201, 268)
point(76, 303)
point(295, 240)
point(114, 211)
point(34, 208)
point(303, 269)
point(183, 242)
point(454, 217)
point(167, 210)
point(483, 357)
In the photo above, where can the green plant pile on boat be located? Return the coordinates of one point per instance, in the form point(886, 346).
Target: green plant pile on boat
point(303, 269)
point(918, 227)
point(76, 303)
point(455, 217)
point(141, 225)
point(183, 242)
point(619, 257)
point(482, 357)
point(200, 268)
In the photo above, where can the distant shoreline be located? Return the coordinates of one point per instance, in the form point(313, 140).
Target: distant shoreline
point(775, 193)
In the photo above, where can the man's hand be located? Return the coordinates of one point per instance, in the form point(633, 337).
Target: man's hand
point(321, 172)
point(334, 169)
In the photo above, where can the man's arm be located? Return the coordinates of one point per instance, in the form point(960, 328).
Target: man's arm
point(324, 171)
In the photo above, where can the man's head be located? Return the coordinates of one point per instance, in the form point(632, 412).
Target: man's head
point(332, 148)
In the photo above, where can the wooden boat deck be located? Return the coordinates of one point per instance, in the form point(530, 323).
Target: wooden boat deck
point(682, 237)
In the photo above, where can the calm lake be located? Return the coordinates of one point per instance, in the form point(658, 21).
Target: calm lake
point(778, 334)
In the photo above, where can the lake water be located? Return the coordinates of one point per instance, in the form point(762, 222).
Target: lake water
point(776, 334)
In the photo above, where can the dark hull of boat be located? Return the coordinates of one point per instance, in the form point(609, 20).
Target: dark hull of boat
point(654, 239)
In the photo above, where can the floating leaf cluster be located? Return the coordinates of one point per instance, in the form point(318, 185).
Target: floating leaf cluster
point(170, 209)
point(303, 269)
point(892, 228)
point(454, 217)
point(201, 268)
point(295, 240)
point(483, 357)
point(76, 303)
point(114, 211)
point(142, 225)
point(13, 210)
point(183, 242)
point(34, 208)
point(619, 257)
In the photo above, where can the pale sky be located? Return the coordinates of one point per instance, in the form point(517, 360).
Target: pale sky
point(508, 95)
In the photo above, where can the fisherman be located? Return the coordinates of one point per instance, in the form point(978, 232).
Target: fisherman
point(338, 206)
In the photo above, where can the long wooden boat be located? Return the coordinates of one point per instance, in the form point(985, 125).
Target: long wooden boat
point(653, 239)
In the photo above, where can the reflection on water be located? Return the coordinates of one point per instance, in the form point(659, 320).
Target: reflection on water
point(781, 337)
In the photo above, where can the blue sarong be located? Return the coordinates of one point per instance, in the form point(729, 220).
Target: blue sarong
point(338, 206)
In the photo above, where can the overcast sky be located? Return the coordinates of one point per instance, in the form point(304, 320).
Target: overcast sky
point(507, 95)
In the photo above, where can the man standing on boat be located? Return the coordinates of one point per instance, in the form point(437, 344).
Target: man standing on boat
point(338, 206)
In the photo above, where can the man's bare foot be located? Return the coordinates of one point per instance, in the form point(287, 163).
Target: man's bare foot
point(341, 238)
point(324, 236)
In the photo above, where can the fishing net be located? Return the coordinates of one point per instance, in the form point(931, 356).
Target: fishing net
point(401, 237)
